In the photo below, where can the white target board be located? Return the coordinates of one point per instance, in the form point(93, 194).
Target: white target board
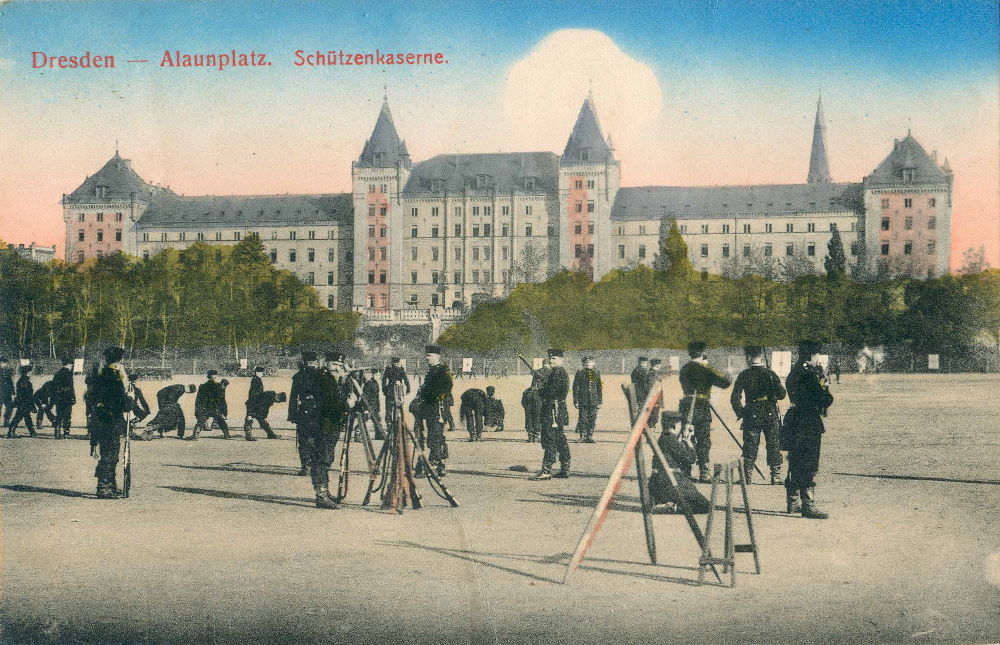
point(781, 363)
point(824, 361)
point(675, 363)
point(25, 361)
point(78, 366)
point(243, 363)
point(402, 363)
point(536, 363)
point(933, 361)
point(466, 364)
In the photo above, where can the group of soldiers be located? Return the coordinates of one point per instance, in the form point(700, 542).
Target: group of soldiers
point(20, 400)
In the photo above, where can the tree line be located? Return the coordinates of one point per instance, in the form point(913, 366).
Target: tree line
point(669, 304)
point(204, 295)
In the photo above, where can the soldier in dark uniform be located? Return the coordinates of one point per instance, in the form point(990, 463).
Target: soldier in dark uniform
point(446, 417)
point(655, 374)
point(642, 381)
point(494, 414)
point(110, 402)
point(258, 405)
point(471, 412)
point(24, 404)
point(555, 418)
point(140, 407)
point(44, 402)
point(697, 380)
point(681, 455)
point(531, 401)
point(391, 377)
point(755, 395)
point(587, 399)
point(810, 396)
point(64, 397)
point(169, 415)
point(306, 409)
point(6, 389)
point(210, 403)
point(373, 407)
point(430, 403)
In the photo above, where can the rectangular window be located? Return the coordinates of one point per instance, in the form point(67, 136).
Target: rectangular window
point(458, 211)
point(382, 231)
point(434, 300)
point(789, 227)
point(487, 211)
point(79, 256)
point(383, 210)
point(590, 250)
point(885, 203)
point(371, 231)
point(329, 234)
point(930, 246)
point(458, 253)
point(621, 251)
point(118, 217)
point(885, 248)
point(487, 230)
point(642, 250)
point(434, 254)
point(725, 228)
point(578, 229)
point(81, 217)
point(330, 302)
point(503, 252)
point(413, 212)
point(312, 235)
point(789, 249)
point(413, 253)
point(908, 248)
point(932, 202)
point(642, 230)
point(274, 255)
point(475, 230)
point(311, 255)
point(371, 210)
point(413, 231)
point(505, 210)
point(590, 183)
point(371, 277)
point(382, 253)
point(458, 277)
point(475, 253)
point(475, 211)
point(527, 210)
point(371, 188)
point(885, 223)
point(293, 235)
point(908, 222)
point(505, 230)
point(907, 202)
point(435, 211)
point(590, 228)
point(487, 252)
point(413, 299)
point(527, 230)
point(833, 226)
point(100, 236)
point(684, 229)
point(329, 255)
point(811, 227)
point(163, 237)
point(218, 236)
point(590, 206)
point(578, 184)
point(381, 277)
point(746, 250)
point(274, 235)
point(578, 207)
point(145, 237)
point(292, 255)
point(329, 277)
point(932, 222)
point(179, 237)
point(768, 251)
point(725, 250)
point(458, 230)
point(487, 276)
point(475, 276)
point(768, 228)
point(413, 277)
point(80, 235)
point(704, 250)
point(704, 228)
point(746, 228)
point(578, 251)
point(237, 236)
point(100, 217)
point(310, 278)
point(371, 253)
point(434, 231)
point(811, 249)
point(201, 236)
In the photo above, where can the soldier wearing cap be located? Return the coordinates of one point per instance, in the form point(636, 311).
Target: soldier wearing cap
point(110, 403)
point(697, 380)
point(258, 405)
point(642, 380)
point(337, 400)
point(810, 396)
point(210, 403)
point(395, 384)
point(24, 404)
point(587, 399)
point(555, 417)
point(306, 409)
point(169, 414)
point(494, 413)
point(6, 389)
point(373, 403)
point(754, 399)
point(64, 397)
point(430, 401)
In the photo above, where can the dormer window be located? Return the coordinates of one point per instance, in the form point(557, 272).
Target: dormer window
point(584, 154)
point(529, 183)
point(377, 157)
point(437, 185)
point(908, 174)
point(101, 192)
point(480, 181)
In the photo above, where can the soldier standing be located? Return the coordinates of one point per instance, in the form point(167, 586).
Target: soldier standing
point(6, 389)
point(471, 412)
point(810, 396)
point(24, 404)
point(555, 417)
point(64, 396)
point(258, 405)
point(392, 376)
point(755, 395)
point(494, 414)
point(373, 406)
point(210, 403)
point(697, 379)
point(430, 398)
point(306, 406)
point(110, 403)
point(587, 398)
point(642, 381)
point(532, 404)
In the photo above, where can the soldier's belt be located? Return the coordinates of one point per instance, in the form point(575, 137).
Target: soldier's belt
point(761, 400)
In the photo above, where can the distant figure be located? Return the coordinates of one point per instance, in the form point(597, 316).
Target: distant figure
point(6, 389)
point(64, 397)
point(587, 399)
point(471, 410)
point(306, 409)
point(44, 402)
point(210, 403)
point(258, 406)
point(140, 407)
point(697, 380)
point(392, 377)
point(370, 390)
point(642, 380)
point(24, 404)
point(494, 415)
point(835, 368)
point(430, 408)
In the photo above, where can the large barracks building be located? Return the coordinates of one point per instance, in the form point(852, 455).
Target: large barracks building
point(460, 226)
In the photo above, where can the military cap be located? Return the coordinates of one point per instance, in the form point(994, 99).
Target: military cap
point(213, 372)
point(808, 348)
point(336, 357)
point(308, 357)
point(259, 368)
point(433, 349)
point(696, 347)
point(374, 370)
point(753, 351)
point(66, 360)
point(642, 359)
point(191, 389)
point(26, 369)
point(655, 361)
point(113, 354)
point(395, 360)
point(555, 352)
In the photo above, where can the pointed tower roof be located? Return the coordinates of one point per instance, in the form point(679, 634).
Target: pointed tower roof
point(586, 142)
point(909, 156)
point(384, 148)
point(819, 168)
point(118, 181)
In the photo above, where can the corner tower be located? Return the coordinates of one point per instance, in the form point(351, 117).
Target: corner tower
point(378, 178)
point(589, 178)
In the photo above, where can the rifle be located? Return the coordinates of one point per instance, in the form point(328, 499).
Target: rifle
point(531, 369)
point(127, 456)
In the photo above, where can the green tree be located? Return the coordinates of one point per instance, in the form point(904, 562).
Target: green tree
point(835, 261)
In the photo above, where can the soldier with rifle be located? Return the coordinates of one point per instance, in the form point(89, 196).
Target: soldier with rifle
point(809, 393)
point(6, 389)
point(258, 405)
point(210, 403)
point(697, 380)
point(428, 409)
point(755, 397)
point(308, 408)
point(391, 376)
point(64, 397)
point(555, 418)
point(587, 398)
point(110, 404)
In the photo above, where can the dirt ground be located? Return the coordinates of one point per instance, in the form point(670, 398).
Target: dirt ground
point(220, 541)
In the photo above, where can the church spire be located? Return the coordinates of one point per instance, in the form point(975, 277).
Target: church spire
point(819, 168)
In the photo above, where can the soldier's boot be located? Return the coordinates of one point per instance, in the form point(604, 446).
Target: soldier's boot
point(440, 469)
point(225, 432)
point(563, 471)
point(542, 475)
point(775, 475)
point(809, 509)
point(247, 425)
point(106, 488)
point(269, 432)
point(194, 434)
point(748, 467)
point(303, 471)
point(248, 432)
point(792, 504)
point(703, 476)
point(324, 499)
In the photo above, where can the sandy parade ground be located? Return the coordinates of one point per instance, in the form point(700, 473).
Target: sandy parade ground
point(220, 541)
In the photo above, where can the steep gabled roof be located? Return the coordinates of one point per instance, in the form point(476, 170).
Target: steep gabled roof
point(587, 139)
point(699, 202)
point(384, 149)
point(819, 168)
point(906, 155)
point(502, 171)
point(119, 179)
point(248, 210)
